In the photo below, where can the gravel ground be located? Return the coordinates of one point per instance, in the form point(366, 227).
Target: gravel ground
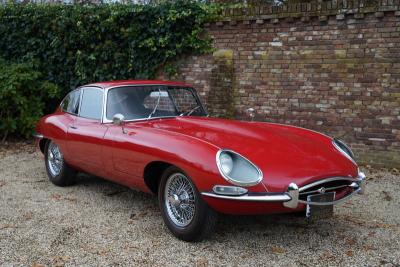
point(99, 223)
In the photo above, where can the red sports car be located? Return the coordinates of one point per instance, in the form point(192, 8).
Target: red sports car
point(156, 136)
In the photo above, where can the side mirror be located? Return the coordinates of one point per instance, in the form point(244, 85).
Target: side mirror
point(118, 119)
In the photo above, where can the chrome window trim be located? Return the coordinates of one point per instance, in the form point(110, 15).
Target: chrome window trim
point(105, 120)
point(232, 181)
point(343, 152)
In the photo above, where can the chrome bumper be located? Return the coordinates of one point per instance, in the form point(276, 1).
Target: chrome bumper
point(290, 198)
point(37, 135)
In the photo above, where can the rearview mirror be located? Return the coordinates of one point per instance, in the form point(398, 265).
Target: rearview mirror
point(251, 113)
point(118, 119)
point(157, 94)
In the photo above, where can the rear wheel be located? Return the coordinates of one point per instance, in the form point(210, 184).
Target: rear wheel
point(184, 212)
point(57, 169)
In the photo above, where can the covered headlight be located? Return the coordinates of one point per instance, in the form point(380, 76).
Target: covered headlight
point(226, 163)
point(343, 148)
point(237, 169)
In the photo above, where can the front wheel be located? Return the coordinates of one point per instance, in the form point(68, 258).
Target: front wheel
point(184, 212)
point(57, 169)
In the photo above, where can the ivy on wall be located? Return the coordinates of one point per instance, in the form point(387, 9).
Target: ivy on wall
point(78, 44)
point(47, 50)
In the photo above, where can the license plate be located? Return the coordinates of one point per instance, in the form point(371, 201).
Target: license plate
point(320, 211)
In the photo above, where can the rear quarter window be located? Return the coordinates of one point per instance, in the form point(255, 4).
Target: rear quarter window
point(70, 103)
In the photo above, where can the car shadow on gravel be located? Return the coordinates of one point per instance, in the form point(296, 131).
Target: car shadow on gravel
point(283, 227)
point(104, 188)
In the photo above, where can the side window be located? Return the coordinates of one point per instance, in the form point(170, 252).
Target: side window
point(92, 102)
point(71, 102)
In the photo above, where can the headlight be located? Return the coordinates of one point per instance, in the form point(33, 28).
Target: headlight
point(237, 169)
point(226, 163)
point(343, 148)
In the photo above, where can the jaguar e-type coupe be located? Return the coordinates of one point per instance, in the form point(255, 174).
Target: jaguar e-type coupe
point(156, 136)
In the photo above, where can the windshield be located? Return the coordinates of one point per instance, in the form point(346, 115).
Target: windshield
point(141, 102)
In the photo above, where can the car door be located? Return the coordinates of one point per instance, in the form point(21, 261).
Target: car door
point(125, 146)
point(85, 136)
point(69, 111)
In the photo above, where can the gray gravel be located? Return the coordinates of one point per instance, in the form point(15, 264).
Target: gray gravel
point(99, 223)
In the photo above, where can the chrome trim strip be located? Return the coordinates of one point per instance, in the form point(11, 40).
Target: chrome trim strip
point(260, 198)
point(291, 199)
point(38, 135)
point(326, 189)
point(327, 180)
point(333, 202)
point(229, 179)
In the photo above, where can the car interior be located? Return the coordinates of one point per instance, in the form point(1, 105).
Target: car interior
point(138, 104)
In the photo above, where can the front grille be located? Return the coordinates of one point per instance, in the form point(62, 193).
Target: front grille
point(341, 187)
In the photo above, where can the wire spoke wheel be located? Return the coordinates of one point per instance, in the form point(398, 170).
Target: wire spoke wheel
point(180, 199)
point(55, 159)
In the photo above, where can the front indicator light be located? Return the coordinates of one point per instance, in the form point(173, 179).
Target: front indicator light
point(229, 190)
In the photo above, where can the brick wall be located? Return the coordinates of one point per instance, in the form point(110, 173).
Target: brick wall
point(332, 67)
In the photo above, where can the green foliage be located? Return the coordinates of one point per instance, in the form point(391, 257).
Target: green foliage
point(73, 45)
point(23, 92)
point(78, 44)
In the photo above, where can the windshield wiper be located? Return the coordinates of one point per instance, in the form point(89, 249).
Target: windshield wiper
point(188, 113)
point(158, 102)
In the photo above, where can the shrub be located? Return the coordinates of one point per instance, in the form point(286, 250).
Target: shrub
point(23, 94)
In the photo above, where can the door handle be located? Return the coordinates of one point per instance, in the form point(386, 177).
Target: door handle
point(73, 127)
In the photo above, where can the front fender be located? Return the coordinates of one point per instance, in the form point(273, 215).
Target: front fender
point(196, 157)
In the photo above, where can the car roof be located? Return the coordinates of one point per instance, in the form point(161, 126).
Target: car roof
point(108, 84)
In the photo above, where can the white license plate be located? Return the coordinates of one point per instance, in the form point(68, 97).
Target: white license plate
point(320, 211)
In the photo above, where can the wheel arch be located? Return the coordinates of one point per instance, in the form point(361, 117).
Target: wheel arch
point(152, 174)
point(42, 144)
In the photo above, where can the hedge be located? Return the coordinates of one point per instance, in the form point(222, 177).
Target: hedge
point(77, 44)
point(23, 94)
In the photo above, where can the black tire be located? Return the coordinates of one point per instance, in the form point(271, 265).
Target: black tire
point(65, 176)
point(204, 220)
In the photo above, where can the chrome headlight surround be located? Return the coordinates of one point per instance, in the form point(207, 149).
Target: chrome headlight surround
point(344, 149)
point(237, 174)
